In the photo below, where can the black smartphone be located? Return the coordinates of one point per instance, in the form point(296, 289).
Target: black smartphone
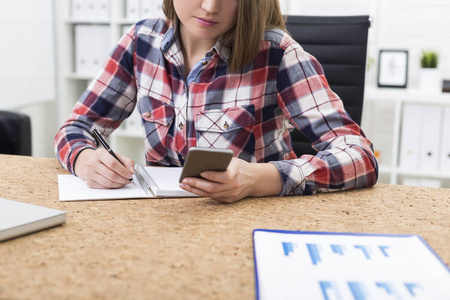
point(201, 159)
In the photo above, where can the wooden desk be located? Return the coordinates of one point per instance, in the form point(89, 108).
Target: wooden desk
point(184, 248)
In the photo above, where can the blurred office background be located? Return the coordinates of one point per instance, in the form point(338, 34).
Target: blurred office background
point(50, 49)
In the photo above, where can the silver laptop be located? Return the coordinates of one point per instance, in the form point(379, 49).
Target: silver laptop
point(18, 218)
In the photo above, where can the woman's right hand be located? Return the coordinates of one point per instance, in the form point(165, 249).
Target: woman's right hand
point(101, 170)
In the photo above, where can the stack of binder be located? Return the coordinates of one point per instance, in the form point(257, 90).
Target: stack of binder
point(92, 45)
point(91, 10)
point(143, 9)
point(445, 150)
point(425, 138)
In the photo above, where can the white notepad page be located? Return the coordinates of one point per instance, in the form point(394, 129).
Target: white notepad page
point(72, 188)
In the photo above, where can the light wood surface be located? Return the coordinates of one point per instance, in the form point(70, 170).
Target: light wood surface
point(184, 248)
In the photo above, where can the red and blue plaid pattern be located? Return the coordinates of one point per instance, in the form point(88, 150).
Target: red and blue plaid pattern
point(249, 112)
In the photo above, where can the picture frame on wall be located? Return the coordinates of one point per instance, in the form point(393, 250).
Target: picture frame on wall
point(393, 68)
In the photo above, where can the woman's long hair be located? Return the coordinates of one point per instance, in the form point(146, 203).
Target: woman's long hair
point(254, 18)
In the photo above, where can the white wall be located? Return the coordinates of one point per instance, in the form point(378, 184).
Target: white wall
point(43, 127)
point(413, 25)
point(27, 72)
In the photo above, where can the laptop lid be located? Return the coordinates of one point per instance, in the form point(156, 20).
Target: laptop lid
point(19, 218)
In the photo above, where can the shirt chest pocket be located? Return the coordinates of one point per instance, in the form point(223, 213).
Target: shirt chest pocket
point(157, 118)
point(230, 128)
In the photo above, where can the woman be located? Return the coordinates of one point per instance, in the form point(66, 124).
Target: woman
point(222, 74)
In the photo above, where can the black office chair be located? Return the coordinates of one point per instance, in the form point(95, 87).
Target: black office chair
point(15, 133)
point(340, 45)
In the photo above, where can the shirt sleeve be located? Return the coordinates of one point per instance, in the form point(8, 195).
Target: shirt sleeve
point(345, 157)
point(109, 99)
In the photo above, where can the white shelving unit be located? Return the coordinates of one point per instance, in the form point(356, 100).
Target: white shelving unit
point(383, 110)
point(116, 16)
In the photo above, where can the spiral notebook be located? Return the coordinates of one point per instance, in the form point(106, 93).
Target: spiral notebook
point(19, 218)
point(148, 182)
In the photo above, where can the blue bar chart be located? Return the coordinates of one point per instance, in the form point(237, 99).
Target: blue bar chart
point(315, 250)
point(365, 291)
point(359, 290)
point(288, 248)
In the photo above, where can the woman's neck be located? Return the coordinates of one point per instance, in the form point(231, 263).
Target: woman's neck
point(193, 49)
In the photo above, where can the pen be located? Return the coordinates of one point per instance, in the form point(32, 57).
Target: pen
point(102, 140)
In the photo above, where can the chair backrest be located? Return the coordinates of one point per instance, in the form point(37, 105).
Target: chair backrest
point(15, 133)
point(340, 44)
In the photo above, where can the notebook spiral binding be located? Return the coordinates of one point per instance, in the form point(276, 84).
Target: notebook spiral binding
point(143, 179)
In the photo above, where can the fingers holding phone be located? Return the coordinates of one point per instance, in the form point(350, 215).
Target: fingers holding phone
point(232, 185)
point(239, 180)
point(200, 159)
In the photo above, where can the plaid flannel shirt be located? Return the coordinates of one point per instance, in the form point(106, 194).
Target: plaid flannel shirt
point(249, 112)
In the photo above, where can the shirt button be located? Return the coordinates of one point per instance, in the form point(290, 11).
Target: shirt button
point(181, 125)
point(291, 192)
point(204, 62)
point(148, 115)
point(226, 126)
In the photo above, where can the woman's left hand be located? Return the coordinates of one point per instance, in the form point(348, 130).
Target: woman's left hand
point(241, 179)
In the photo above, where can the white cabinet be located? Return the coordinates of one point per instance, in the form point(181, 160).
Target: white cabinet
point(445, 146)
point(86, 31)
point(410, 131)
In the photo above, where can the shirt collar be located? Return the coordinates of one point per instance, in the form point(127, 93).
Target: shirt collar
point(171, 44)
point(169, 40)
point(222, 50)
